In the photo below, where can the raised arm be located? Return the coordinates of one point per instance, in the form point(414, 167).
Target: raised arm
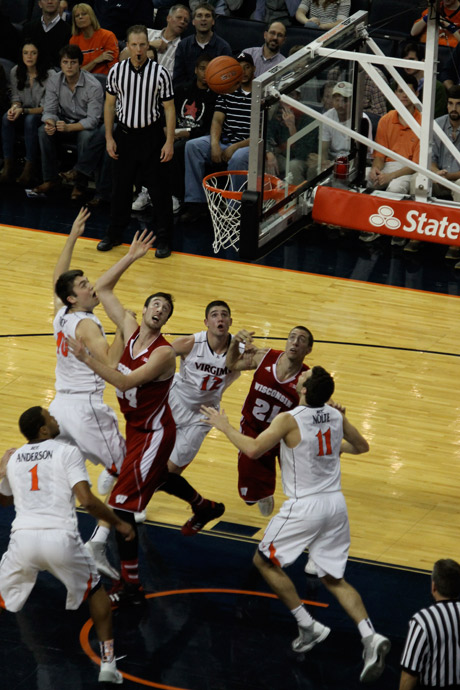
point(160, 366)
point(106, 283)
point(353, 441)
point(63, 263)
point(242, 360)
point(183, 346)
point(280, 427)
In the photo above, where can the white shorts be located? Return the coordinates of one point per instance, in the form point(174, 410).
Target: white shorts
point(85, 420)
point(188, 443)
point(59, 552)
point(319, 522)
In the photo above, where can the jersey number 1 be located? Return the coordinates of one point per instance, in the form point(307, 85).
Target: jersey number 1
point(324, 440)
point(34, 475)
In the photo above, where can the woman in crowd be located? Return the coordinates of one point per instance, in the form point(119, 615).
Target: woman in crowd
point(28, 79)
point(322, 14)
point(99, 46)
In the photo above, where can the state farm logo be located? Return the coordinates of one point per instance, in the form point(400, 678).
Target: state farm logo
point(385, 216)
point(419, 222)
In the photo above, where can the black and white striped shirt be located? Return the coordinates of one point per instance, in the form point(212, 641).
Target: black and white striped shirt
point(432, 649)
point(139, 92)
point(237, 109)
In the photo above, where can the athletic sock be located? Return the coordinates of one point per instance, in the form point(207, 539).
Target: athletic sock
point(178, 486)
point(365, 628)
point(107, 653)
point(130, 571)
point(100, 534)
point(302, 616)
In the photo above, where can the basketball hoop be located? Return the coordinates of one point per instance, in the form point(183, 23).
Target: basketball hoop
point(223, 193)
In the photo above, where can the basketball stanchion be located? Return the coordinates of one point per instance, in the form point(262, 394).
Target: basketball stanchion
point(224, 191)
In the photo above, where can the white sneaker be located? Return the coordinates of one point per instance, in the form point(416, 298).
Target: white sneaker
point(266, 505)
point(376, 647)
point(413, 246)
point(177, 204)
point(109, 673)
point(142, 201)
point(105, 481)
point(141, 516)
point(96, 549)
point(453, 253)
point(309, 637)
point(310, 567)
point(398, 241)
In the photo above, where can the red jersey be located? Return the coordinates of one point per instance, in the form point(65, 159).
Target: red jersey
point(144, 407)
point(268, 396)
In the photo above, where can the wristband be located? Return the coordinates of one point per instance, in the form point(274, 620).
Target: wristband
point(452, 28)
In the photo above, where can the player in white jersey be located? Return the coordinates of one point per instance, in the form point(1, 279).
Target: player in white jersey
point(84, 419)
point(201, 380)
point(312, 436)
point(43, 477)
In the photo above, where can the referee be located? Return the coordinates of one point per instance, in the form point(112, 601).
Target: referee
point(431, 657)
point(137, 88)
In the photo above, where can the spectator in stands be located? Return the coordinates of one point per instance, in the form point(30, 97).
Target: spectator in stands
point(165, 41)
point(276, 11)
point(49, 32)
point(72, 111)
point(99, 46)
point(64, 11)
point(204, 40)
point(334, 143)
point(119, 15)
point(227, 144)
point(28, 79)
point(322, 14)
point(395, 134)
point(268, 55)
point(442, 161)
point(412, 51)
point(449, 24)
point(224, 7)
point(430, 656)
point(284, 124)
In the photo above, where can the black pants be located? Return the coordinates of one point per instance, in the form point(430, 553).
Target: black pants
point(139, 150)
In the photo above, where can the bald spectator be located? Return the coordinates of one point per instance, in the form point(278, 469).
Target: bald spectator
point(48, 32)
point(268, 55)
point(205, 40)
point(276, 11)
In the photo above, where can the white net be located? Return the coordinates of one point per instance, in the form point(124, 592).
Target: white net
point(223, 193)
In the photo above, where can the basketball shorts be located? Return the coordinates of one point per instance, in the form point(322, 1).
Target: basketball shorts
point(88, 422)
point(256, 477)
point(59, 552)
point(145, 467)
point(319, 522)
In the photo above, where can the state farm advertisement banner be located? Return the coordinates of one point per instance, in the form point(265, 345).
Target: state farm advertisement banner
point(410, 219)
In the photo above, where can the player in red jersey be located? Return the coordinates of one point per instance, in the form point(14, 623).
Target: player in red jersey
point(273, 390)
point(143, 379)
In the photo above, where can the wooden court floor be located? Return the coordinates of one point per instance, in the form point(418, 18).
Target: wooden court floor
point(393, 352)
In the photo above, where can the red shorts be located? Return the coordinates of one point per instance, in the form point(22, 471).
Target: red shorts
point(256, 478)
point(144, 468)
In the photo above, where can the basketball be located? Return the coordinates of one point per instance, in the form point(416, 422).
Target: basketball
point(223, 74)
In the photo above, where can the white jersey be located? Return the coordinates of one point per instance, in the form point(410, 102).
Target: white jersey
point(313, 466)
point(40, 477)
point(73, 376)
point(202, 378)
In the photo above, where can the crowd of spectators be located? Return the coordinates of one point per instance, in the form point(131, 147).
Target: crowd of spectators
point(55, 93)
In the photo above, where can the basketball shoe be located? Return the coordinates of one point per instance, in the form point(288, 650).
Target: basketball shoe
point(309, 637)
point(266, 505)
point(376, 647)
point(97, 551)
point(126, 593)
point(109, 673)
point(207, 511)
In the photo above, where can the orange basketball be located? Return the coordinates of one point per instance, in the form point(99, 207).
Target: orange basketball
point(223, 74)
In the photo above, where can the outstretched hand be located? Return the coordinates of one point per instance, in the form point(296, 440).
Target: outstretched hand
point(77, 347)
point(337, 406)
point(141, 244)
point(214, 418)
point(78, 227)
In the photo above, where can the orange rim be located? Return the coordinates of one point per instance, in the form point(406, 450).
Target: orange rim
point(275, 193)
